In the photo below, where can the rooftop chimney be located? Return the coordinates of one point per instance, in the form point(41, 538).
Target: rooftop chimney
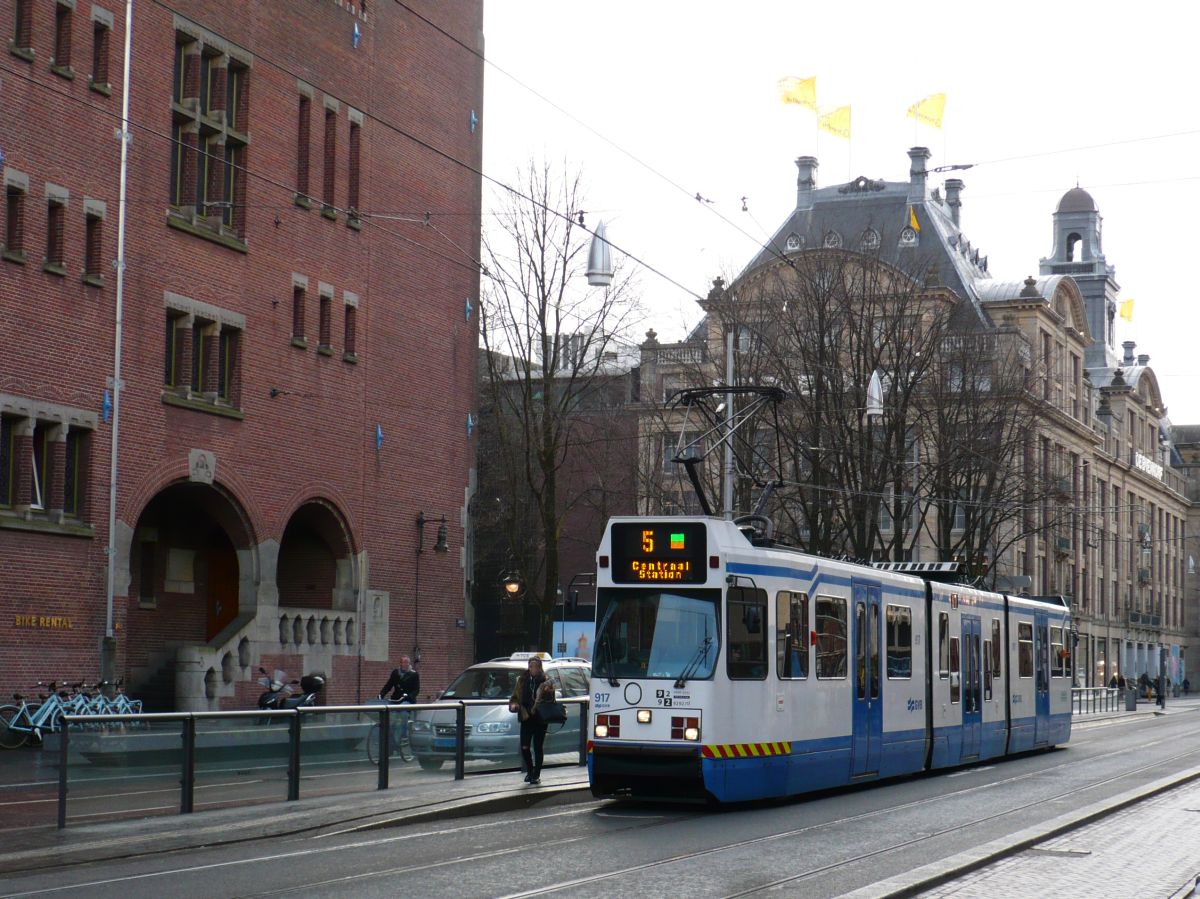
point(1143, 359)
point(954, 187)
point(806, 181)
point(1128, 358)
point(916, 174)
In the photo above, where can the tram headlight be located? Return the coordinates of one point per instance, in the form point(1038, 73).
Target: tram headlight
point(685, 729)
point(691, 733)
point(644, 716)
point(607, 726)
point(601, 731)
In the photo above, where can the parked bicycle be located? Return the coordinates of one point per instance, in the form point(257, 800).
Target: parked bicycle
point(398, 724)
point(31, 718)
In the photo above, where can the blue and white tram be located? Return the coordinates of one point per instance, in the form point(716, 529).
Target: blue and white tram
point(725, 671)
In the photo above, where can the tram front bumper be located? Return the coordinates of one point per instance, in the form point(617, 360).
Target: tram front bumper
point(647, 771)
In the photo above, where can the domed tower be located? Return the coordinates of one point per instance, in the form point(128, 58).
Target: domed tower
point(1078, 253)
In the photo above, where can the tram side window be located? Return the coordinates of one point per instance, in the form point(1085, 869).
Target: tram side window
point(955, 679)
point(987, 670)
point(747, 656)
point(1058, 653)
point(899, 642)
point(944, 645)
point(831, 638)
point(791, 635)
point(1025, 649)
point(996, 646)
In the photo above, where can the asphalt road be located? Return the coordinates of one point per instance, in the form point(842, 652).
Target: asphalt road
point(820, 846)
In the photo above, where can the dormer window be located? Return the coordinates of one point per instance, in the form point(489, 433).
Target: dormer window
point(908, 237)
point(870, 239)
point(793, 242)
point(833, 240)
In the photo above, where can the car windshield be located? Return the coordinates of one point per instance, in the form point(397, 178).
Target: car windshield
point(656, 634)
point(483, 683)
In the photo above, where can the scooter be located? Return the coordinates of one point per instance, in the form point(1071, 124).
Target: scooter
point(310, 686)
point(279, 688)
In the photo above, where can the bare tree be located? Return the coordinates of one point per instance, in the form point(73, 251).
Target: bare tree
point(549, 345)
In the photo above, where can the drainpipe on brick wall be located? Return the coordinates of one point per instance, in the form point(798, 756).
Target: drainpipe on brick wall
point(108, 661)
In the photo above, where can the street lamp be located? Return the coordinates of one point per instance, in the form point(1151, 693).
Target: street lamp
point(441, 546)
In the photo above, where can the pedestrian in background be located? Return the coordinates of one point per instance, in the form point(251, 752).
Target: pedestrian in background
point(533, 687)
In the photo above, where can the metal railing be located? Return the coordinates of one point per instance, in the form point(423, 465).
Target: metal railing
point(1085, 700)
point(380, 714)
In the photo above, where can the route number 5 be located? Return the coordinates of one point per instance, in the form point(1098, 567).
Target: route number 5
point(647, 541)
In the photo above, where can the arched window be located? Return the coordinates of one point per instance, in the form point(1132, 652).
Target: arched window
point(1073, 241)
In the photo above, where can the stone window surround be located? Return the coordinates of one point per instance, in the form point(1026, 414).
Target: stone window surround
point(299, 282)
point(63, 419)
point(218, 319)
point(351, 300)
point(104, 19)
point(20, 182)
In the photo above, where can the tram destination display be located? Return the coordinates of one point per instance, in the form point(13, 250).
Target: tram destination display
point(660, 553)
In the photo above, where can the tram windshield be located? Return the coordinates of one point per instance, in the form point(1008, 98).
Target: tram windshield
point(648, 633)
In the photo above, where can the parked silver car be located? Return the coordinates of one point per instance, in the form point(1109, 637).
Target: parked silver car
point(493, 732)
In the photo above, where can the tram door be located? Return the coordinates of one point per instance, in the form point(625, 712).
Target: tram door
point(867, 741)
point(1041, 677)
point(972, 715)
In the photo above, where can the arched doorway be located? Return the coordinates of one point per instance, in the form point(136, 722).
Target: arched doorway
point(314, 569)
point(185, 582)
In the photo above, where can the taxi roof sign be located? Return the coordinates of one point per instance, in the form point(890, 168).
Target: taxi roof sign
point(522, 656)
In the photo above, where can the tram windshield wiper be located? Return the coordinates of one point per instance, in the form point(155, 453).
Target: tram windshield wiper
point(700, 655)
point(608, 660)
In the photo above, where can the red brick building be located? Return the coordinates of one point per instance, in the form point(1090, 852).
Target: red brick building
point(298, 342)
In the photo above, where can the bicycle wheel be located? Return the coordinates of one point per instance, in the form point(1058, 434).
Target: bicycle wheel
point(11, 736)
point(373, 744)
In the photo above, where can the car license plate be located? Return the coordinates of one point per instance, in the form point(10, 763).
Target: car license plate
point(447, 743)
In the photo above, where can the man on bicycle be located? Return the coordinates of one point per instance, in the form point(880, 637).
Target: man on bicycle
point(404, 683)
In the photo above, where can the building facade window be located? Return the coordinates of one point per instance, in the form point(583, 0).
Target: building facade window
point(172, 354)
point(353, 184)
point(63, 18)
point(227, 347)
point(22, 42)
point(303, 141)
point(298, 316)
point(325, 322)
point(8, 474)
point(350, 328)
point(73, 473)
point(43, 465)
point(328, 187)
point(210, 112)
point(14, 223)
point(42, 474)
point(101, 31)
point(93, 249)
point(56, 214)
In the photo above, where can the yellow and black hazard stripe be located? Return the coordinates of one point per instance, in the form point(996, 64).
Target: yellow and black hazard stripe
point(745, 750)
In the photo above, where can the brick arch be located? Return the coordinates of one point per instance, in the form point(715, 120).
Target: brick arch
point(327, 495)
point(170, 473)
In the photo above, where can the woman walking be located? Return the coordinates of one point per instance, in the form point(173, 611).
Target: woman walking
point(533, 687)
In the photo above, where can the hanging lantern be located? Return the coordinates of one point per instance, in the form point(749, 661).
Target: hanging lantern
point(600, 267)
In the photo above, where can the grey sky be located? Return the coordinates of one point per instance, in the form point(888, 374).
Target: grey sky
point(689, 89)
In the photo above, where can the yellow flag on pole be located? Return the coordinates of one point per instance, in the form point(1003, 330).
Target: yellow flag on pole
point(929, 111)
point(800, 91)
point(1126, 310)
point(836, 122)
point(912, 220)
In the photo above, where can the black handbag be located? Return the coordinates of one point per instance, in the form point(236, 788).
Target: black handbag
point(551, 712)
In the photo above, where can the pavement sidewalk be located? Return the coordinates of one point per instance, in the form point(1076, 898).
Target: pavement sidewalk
point(475, 795)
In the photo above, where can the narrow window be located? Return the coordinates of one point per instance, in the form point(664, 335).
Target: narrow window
point(55, 224)
point(179, 76)
point(206, 83)
point(1025, 649)
point(899, 642)
point(955, 676)
point(199, 350)
point(349, 342)
point(874, 660)
point(14, 224)
point(302, 142)
point(226, 363)
point(235, 80)
point(178, 151)
point(7, 461)
point(62, 38)
point(355, 152)
point(100, 34)
point(325, 324)
point(791, 635)
point(944, 645)
point(327, 194)
point(1058, 653)
point(41, 466)
point(297, 312)
point(987, 670)
point(171, 354)
point(93, 268)
point(747, 629)
point(860, 650)
point(23, 27)
point(73, 473)
point(232, 183)
point(996, 647)
point(831, 638)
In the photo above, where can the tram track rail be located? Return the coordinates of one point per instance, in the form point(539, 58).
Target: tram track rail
point(874, 853)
